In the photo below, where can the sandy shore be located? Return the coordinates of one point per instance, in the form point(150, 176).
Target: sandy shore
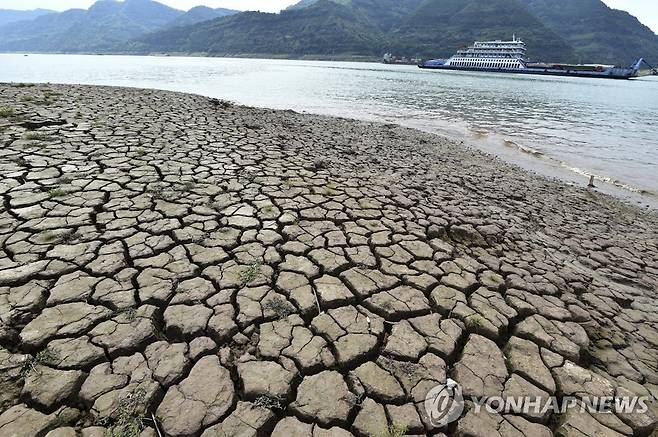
point(217, 270)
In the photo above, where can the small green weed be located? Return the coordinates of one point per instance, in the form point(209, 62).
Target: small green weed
point(395, 430)
point(29, 365)
point(129, 414)
point(6, 112)
point(36, 136)
point(250, 273)
point(278, 306)
point(56, 192)
point(268, 209)
point(474, 322)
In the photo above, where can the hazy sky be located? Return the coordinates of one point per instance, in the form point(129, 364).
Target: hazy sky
point(60, 5)
point(645, 10)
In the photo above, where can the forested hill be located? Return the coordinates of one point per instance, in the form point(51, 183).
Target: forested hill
point(554, 30)
point(107, 26)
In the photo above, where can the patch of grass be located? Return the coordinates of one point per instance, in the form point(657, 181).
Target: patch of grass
point(474, 322)
point(250, 273)
point(129, 414)
point(268, 209)
point(395, 430)
point(6, 112)
point(29, 365)
point(27, 98)
point(23, 85)
point(36, 136)
point(56, 192)
point(78, 114)
point(278, 306)
point(140, 152)
point(70, 237)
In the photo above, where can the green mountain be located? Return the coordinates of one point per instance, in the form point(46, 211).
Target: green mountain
point(200, 13)
point(382, 13)
point(385, 14)
point(554, 30)
point(10, 16)
point(105, 25)
point(596, 32)
point(325, 28)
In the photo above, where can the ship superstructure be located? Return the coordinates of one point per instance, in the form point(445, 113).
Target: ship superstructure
point(491, 54)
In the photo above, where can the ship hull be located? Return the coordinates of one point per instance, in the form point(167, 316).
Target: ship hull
point(616, 73)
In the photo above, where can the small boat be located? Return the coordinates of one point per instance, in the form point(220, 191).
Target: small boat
point(509, 57)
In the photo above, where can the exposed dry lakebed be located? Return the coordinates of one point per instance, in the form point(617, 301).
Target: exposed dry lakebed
point(177, 264)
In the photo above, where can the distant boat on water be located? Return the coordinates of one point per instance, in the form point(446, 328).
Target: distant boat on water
point(389, 58)
point(509, 57)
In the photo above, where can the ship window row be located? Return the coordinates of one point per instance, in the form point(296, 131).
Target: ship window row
point(485, 64)
point(517, 47)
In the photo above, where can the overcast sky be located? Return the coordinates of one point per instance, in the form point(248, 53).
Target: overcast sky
point(645, 10)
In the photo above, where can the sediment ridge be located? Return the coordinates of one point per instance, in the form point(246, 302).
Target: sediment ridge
point(181, 265)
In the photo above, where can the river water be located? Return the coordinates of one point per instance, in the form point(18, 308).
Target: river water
point(567, 127)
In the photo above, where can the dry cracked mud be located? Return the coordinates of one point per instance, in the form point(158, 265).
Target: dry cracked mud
point(182, 262)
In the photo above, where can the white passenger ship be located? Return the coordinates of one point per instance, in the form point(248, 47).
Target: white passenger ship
point(510, 57)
